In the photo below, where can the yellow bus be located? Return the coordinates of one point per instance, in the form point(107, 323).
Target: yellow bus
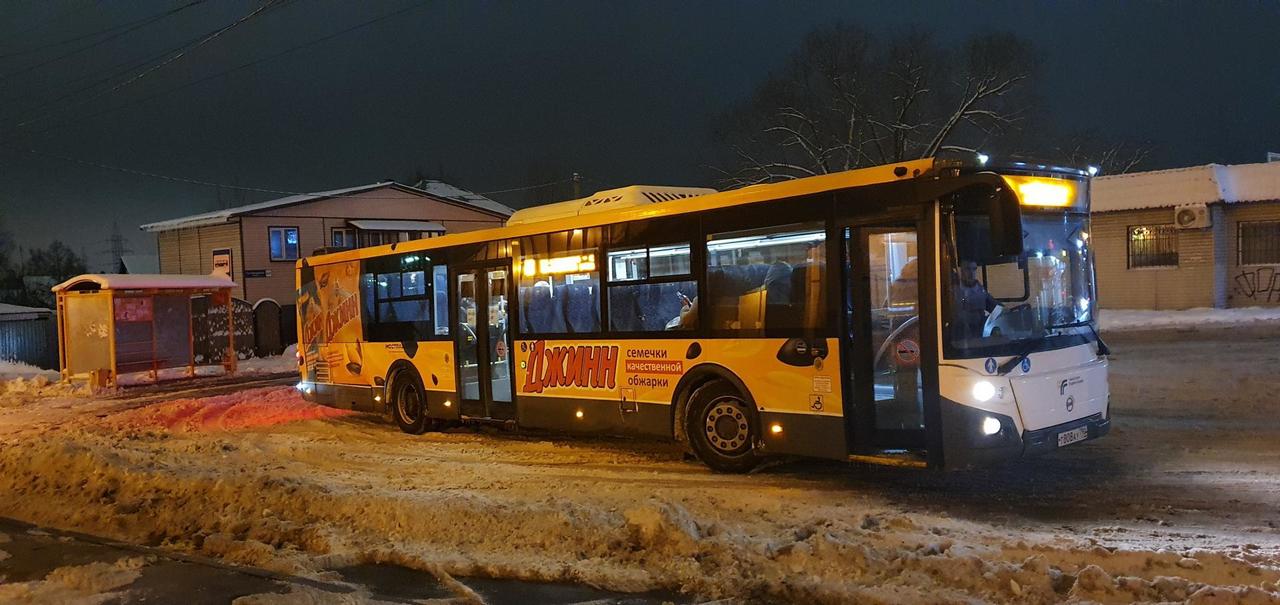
point(937, 312)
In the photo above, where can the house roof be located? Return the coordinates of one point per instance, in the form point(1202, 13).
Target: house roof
point(444, 192)
point(15, 312)
point(144, 281)
point(390, 225)
point(1191, 185)
point(443, 189)
point(140, 263)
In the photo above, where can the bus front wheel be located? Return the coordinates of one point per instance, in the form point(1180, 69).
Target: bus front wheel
point(722, 429)
point(409, 404)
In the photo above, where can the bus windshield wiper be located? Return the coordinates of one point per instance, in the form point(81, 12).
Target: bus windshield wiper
point(1103, 349)
point(1008, 366)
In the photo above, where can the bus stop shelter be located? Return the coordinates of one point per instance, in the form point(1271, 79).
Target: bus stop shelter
point(110, 325)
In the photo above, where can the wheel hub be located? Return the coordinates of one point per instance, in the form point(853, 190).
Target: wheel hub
point(726, 426)
point(409, 404)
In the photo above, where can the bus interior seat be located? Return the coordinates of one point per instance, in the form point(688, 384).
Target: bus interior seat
point(544, 314)
point(623, 314)
point(580, 304)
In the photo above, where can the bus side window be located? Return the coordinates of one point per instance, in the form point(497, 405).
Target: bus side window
point(766, 278)
point(559, 283)
point(651, 289)
point(398, 302)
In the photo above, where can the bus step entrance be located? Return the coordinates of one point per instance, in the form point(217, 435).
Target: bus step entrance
point(902, 458)
point(509, 425)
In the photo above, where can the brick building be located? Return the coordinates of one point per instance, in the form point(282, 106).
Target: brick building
point(1202, 236)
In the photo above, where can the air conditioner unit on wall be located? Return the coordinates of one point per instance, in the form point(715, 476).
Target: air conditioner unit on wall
point(1193, 216)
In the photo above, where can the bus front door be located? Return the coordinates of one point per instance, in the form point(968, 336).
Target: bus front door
point(483, 342)
point(882, 317)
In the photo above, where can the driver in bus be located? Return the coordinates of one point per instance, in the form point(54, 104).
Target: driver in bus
point(972, 303)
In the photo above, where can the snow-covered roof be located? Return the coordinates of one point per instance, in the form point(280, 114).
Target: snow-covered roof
point(146, 281)
point(443, 189)
point(141, 263)
point(13, 312)
point(1192, 185)
point(435, 189)
point(390, 225)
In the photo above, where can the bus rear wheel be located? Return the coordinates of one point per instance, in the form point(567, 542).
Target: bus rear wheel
point(409, 404)
point(722, 429)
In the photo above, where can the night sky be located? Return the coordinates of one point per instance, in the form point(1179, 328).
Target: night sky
point(496, 95)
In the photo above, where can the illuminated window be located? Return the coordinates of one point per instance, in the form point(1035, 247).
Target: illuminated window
point(283, 243)
point(766, 278)
point(1259, 242)
point(1153, 246)
point(559, 282)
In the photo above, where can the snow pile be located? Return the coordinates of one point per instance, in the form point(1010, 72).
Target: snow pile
point(240, 410)
point(279, 364)
point(76, 585)
point(42, 386)
point(1142, 319)
point(10, 370)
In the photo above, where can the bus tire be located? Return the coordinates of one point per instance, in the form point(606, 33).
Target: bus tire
point(722, 428)
point(409, 403)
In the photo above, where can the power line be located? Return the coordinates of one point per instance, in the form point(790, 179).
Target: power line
point(513, 189)
point(49, 45)
point(137, 25)
point(203, 183)
point(230, 70)
point(181, 53)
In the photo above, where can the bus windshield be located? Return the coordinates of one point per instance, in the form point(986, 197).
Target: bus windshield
point(1039, 300)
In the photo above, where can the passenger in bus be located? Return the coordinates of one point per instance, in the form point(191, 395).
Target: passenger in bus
point(972, 302)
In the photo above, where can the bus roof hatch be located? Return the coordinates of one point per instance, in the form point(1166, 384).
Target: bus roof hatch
point(623, 197)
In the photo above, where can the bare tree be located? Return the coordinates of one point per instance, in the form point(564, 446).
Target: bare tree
point(1110, 157)
point(845, 99)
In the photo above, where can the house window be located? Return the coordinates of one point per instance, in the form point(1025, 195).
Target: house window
point(343, 237)
point(1153, 246)
point(1259, 242)
point(283, 242)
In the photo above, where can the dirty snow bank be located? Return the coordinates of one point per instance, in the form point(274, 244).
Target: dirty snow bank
point(239, 410)
point(41, 386)
point(16, 369)
point(320, 494)
point(1143, 319)
point(89, 584)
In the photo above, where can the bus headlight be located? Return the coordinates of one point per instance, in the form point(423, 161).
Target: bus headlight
point(990, 426)
point(983, 390)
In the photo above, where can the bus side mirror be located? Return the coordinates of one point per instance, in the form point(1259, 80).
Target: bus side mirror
point(1005, 213)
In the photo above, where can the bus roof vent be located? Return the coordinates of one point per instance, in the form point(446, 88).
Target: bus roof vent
point(601, 201)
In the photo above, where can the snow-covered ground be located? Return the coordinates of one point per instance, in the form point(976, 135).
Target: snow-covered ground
point(1180, 502)
point(1112, 320)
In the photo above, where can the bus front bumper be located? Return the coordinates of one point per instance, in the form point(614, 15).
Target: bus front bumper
point(966, 445)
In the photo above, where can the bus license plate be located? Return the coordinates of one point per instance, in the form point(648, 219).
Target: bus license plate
point(1073, 436)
